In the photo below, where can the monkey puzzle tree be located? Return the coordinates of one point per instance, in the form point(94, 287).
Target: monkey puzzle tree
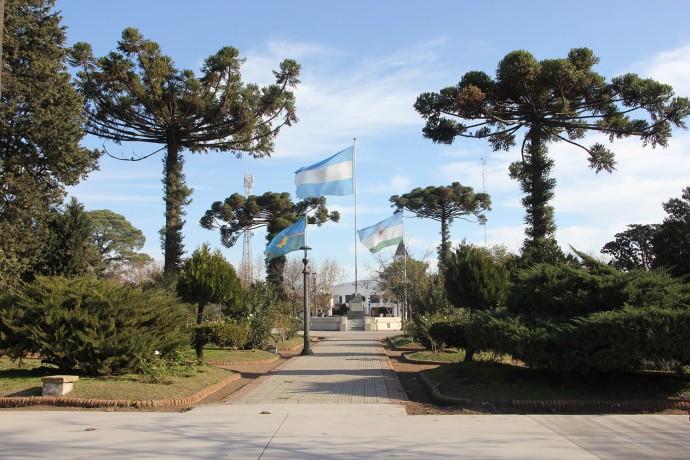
point(444, 204)
point(550, 101)
point(137, 94)
point(275, 211)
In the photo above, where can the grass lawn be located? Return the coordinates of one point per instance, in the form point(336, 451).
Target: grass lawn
point(289, 343)
point(502, 382)
point(232, 356)
point(27, 382)
point(402, 341)
point(447, 356)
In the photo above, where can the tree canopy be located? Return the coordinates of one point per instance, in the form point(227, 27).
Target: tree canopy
point(539, 102)
point(70, 250)
point(275, 211)
point(40, 131)
point(117, 240)
point(672, 241)
point(633, 248)
point(444, 204)
point(663, 246)
point(137, 94)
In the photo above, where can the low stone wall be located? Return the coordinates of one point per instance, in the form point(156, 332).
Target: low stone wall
point(383, 323)
point(340, 323)
point(328, 323)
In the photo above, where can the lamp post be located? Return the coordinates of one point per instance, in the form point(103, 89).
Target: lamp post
point(306, 350)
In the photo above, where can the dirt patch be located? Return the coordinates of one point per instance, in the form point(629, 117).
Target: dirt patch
point(419, 401)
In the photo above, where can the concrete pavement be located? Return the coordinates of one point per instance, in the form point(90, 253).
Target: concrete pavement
point(314, 407)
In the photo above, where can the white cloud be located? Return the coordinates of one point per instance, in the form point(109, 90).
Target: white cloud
point(395, 185)
point(670, 67)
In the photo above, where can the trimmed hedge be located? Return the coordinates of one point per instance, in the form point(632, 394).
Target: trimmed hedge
point(228, 334)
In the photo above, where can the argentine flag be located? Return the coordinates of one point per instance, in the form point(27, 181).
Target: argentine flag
point(332, 176)
point(385, 233)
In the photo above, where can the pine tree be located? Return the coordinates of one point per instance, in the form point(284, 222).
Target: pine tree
point(207, 277)
point(40, 131)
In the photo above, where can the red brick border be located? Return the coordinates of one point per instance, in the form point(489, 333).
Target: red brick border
point(585, 406)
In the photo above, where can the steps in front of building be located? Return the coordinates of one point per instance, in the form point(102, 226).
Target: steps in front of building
point(355, 324)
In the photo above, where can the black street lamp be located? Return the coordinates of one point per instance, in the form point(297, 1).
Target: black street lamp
point(306, 350)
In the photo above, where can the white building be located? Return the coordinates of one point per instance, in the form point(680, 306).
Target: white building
point(373, 302)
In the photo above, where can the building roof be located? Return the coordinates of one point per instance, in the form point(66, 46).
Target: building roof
point(401, 251)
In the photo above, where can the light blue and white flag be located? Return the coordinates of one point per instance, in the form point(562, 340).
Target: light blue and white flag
point(332, 176)
point(288, 240)
point(385, 233)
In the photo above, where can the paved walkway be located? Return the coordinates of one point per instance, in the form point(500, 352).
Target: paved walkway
point(339, 403)
point(344, 369)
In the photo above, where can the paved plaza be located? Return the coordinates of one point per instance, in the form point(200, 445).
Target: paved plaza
point(343, 402)
point(345, 369)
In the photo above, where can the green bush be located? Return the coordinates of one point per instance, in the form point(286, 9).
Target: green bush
point(612, 341)
point(89, 325)
point(420, 327)
point(450, 334)
point(158, 368)
point(474, 279)
point(260, 301)
point(562, 292)
point(340, 309)
point(230, 334)
point(286, 325)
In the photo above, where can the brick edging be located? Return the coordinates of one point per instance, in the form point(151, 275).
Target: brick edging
point(560, 406)
point(64, 401)
point(599, 406)
point(437, 396)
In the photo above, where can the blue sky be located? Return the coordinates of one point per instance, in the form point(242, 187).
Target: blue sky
point(363, 65)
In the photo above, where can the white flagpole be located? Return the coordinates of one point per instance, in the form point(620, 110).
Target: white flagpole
point(404, 268)
point(354, 186)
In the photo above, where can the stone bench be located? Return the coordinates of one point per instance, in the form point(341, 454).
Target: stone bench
point(58, 385)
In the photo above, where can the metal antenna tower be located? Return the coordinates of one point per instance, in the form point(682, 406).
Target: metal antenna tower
point(247, 271)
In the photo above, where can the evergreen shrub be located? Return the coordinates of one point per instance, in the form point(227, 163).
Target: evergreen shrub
point(89, 325)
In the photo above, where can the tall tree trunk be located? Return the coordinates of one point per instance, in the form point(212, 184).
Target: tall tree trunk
point(199, 345)
point(176, 197)
point(275, 274)
point(444, 248)
point(534, 175)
